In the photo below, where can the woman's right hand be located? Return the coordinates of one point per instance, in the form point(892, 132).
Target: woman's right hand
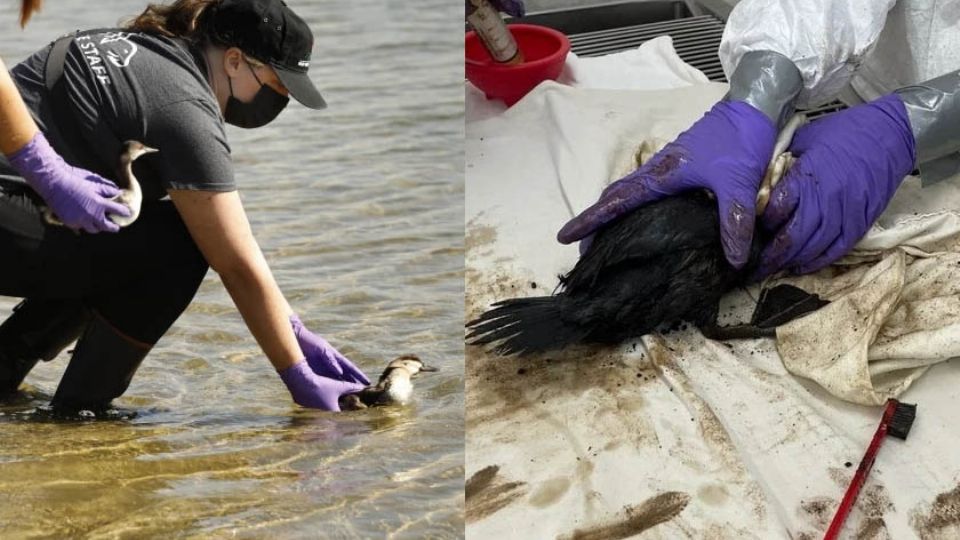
point(311, 390)
point(79, 198)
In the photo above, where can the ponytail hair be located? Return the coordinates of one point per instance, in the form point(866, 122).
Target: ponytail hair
point(27, 7)
point(181, 19)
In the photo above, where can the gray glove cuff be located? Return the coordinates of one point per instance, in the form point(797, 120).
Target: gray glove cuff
point(769, 81)
point(934, 111)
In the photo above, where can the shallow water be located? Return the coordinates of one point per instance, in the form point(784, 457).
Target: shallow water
point(359, 210)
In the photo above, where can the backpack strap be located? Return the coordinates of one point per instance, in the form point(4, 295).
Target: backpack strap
point(66, 122)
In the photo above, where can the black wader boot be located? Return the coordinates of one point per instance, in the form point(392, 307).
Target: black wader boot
point(37, 330)
point(100, 370)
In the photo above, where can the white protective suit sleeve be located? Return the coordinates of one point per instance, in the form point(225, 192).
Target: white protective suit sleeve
point(826, 39)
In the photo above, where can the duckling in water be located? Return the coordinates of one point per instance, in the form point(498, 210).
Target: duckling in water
point(130, 193)
point(394, 386)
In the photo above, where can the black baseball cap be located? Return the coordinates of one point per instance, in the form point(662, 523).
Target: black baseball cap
point(272, 33)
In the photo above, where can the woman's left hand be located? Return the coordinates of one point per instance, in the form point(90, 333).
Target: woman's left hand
point(849, 165)
point(323, 358)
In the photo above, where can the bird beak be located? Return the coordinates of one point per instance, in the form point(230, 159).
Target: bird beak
point(149, 150)
point(428, 369)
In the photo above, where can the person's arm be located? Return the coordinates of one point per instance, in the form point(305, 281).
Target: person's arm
point(218, 224)
point(934, 110)
point(17, 127)
point(826, 39)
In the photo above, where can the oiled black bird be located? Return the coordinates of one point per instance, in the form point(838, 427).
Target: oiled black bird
point(660, 264)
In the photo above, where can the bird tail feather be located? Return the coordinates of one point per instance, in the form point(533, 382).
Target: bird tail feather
point(524, 326)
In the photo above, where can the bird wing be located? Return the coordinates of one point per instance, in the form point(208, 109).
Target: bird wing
point(682, 222)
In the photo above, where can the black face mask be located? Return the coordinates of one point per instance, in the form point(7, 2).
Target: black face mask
point(266, 105)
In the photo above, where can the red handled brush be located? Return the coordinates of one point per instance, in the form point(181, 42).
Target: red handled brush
point(896, 422)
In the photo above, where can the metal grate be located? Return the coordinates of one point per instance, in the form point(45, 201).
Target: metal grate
point(696, 40)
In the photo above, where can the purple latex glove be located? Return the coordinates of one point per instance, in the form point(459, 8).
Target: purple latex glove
point(311, 390)
point(323, 358)
point(79, 198)
point(848, 168)
point(726, 151)
point(510, 7)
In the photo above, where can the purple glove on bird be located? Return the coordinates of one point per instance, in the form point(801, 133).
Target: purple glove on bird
point(325, 360)
point(311, 390)
point(726, 151)
point(79, 198)
point(848, 168)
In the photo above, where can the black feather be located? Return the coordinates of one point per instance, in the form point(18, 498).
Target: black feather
point(524, 325)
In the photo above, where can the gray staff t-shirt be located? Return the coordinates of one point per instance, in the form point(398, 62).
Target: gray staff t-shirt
point(138, 86)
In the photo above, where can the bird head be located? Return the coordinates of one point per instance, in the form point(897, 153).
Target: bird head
point(411, 364)
point(134, 149)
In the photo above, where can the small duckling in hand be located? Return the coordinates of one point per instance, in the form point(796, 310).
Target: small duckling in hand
point(130, 192)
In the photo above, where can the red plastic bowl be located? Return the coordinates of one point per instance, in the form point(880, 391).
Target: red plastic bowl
point(544, 53)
